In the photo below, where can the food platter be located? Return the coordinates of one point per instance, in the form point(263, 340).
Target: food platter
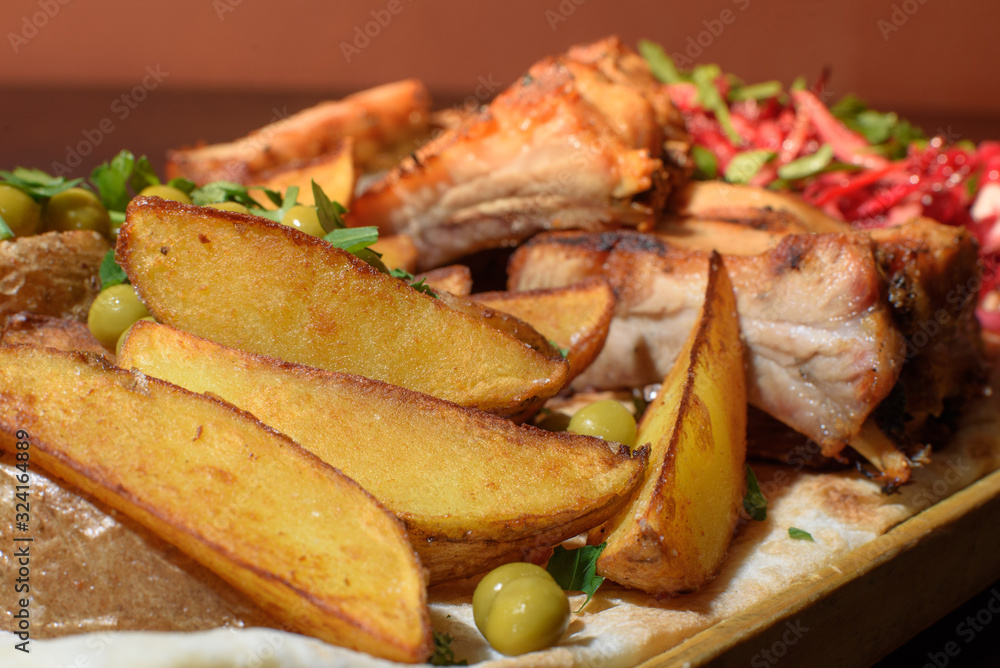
point(771, 594)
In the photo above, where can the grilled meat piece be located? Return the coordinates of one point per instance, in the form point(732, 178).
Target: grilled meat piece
point(585, 140)
point(931, 274)
point(933, 279)
point(379, 121)
point(822, 347)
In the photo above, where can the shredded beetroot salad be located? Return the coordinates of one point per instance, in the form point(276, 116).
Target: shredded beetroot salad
point(868, 168)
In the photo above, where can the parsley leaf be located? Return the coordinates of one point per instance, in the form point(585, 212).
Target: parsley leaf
point(576, 570)
point(754, 502)
point(330, 212)
point(36, 183)
point(443, 654)
point(563, 352)
point(5, 231)
point(112, 178)
point(352, 239)
point(142, 175)
point(419, 286)
point(799, 534)
point(111, 273)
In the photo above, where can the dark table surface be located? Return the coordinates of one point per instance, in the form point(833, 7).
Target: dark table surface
point(75, 130)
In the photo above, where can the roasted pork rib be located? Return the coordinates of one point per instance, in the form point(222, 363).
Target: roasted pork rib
point(822, 347)
point(582, 141)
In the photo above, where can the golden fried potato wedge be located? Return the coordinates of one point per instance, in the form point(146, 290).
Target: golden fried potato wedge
point(398, 251)
point(474, 490)
point(674, 534)
point(575, 318)
point(501, 321)
point(332, 171)
point(259, 286)
point(56, 273)
point(50, 332)
point(309, 545)
point(455, 278)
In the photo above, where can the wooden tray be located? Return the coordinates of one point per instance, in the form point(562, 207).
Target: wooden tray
point(871, 601)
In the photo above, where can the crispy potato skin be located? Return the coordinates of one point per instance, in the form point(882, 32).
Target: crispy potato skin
point(315, 550)
point(248, 283)
point(576, 317)
point(674, 534)
point(473, 489)
point(55, 273)
point(332, 171)
point(455, 278)
point(50, 332)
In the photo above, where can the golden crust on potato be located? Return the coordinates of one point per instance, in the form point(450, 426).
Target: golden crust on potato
point(50, 332)
point(233, 494)
point(474, 490)
point(259, 286)
point(675, 532)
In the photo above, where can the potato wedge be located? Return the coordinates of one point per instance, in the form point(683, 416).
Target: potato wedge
point(501, 321)
point(398, 251)
point(56, 273)
point(674, 534)
point(308, 544)
point(263, 287)
point(455, 278)
point(333, 172)
point(575, 318)
point(474, 490)
point(50, 332)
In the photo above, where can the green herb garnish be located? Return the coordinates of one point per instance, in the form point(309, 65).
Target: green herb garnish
point(419, 286)
point(807, 165)
point(706, 165)
point(754, 502)
point(757, 91)
point(744, 166)
point(576, 570)
point(111, 272)
point(660, 64)
point(112, 178)
point(704, 77)
point(36, 183)
point(799, 534)
point(443, 654)
point(5, 231)
point(352, 239)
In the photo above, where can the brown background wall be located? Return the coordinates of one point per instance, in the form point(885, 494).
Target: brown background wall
point(933, 58)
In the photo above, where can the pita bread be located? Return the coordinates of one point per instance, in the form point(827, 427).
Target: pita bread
point(120, 597)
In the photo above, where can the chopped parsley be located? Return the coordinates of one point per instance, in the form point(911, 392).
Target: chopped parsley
point(754, 502)
point(576, 570)
point(799, 534)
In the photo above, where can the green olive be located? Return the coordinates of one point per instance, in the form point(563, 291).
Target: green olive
point(606, 419)
point(114, 311)
point(229, 206)
point(21, 213)
point(495, 580)
point(76, 209)
point(304, 218)
point(121, 339)
point(519, 608)
point(166, 192)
